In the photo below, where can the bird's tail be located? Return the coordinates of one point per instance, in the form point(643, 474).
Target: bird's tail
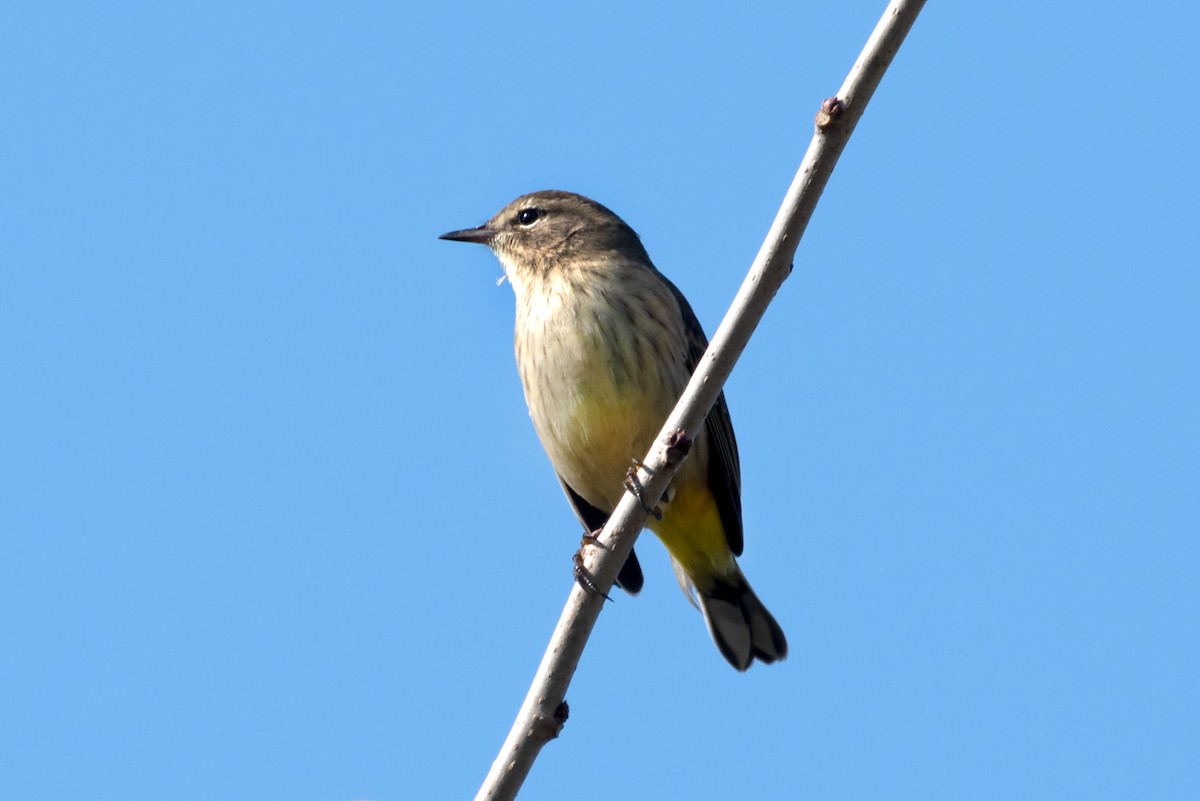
point(740, 625)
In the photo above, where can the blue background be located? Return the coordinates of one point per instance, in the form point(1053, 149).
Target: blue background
point(274, 521)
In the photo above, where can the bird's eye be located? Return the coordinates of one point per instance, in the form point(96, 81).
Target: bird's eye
point(529, 216)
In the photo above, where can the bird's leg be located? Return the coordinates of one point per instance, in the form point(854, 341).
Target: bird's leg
point(583, 576)
point(593, 538)
point(633, 485)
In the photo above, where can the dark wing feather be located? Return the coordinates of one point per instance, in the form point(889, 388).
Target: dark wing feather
point(724, 469)
point(630, 578)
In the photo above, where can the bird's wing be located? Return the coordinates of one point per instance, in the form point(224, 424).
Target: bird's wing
point(724, 469)
point(630, 578)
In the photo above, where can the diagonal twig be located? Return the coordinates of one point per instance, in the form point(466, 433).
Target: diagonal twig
point(544, 710)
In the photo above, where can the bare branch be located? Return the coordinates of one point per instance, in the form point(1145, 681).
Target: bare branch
point(544, 711)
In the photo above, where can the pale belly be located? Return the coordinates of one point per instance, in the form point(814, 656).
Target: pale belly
point(599, 387)
point(593, 433)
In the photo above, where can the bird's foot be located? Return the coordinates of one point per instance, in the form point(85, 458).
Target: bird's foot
point(634, 486)
point(583, 576)
point(593, 538)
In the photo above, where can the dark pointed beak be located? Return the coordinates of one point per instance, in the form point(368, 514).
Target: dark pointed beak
point(481, 235)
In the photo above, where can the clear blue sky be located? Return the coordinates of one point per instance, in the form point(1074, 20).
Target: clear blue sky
point(275, 523)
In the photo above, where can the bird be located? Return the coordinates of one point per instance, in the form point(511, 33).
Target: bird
point(605, 345)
